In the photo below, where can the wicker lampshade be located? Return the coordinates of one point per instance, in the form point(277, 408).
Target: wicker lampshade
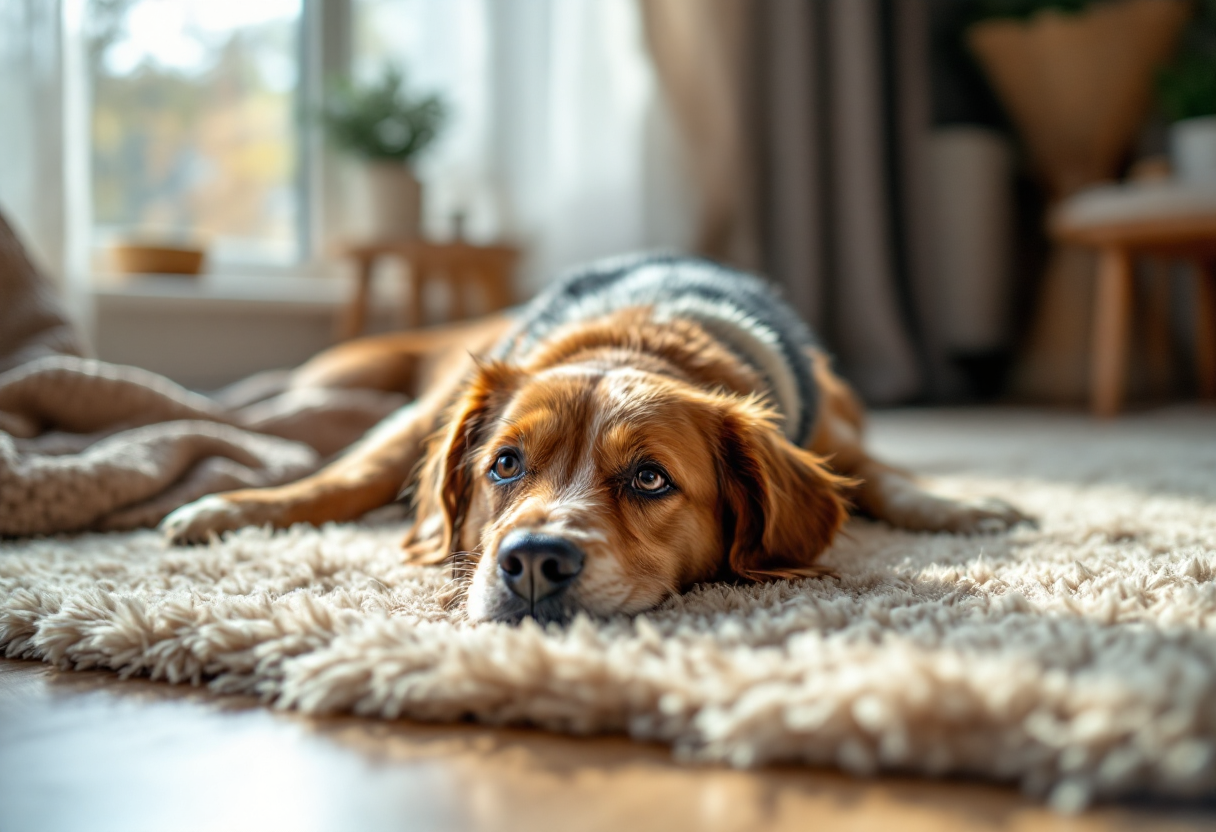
point(1077, 86)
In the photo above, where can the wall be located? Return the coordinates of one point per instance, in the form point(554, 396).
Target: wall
point(207, 332)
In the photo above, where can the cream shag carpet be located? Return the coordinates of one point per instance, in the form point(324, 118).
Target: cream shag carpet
point(1077, 659)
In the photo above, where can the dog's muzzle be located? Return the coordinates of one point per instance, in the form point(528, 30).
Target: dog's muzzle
point(538, 569)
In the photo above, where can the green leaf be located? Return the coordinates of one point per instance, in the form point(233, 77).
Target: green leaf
point(1187, 87)
point(381, 120)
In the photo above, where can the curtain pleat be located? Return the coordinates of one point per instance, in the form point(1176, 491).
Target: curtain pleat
point(804, 122)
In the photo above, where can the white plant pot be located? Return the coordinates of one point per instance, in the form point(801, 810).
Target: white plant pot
point(1193, 150)
point(395, 197)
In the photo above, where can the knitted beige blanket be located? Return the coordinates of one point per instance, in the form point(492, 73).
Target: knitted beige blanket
point(90, 445)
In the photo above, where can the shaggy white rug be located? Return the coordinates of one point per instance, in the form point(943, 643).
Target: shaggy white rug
point(1078, 658)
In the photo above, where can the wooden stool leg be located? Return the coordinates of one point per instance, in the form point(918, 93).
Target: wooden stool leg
point(354, 319)
point(1205, 327)
point(460, 283)
point(415, 278)
point(1157, 345)
point(1111, 318)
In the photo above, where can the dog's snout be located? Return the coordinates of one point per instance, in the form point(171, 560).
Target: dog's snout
point(537, 566)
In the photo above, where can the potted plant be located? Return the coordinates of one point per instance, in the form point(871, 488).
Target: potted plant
point(1186, 91)
point(387, 127)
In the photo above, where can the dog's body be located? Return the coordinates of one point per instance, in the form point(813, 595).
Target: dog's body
point(645, 424)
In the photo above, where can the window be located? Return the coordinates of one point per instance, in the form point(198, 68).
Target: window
point(195, 125)
point(444, 46)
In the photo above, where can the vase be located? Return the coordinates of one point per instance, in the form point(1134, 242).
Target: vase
point(1193, 150)
point(395, 197)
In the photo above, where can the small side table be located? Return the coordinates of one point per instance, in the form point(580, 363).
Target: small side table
point(1123, 224)
point(459, 265)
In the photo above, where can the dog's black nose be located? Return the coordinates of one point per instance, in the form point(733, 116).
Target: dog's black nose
point(536, 566)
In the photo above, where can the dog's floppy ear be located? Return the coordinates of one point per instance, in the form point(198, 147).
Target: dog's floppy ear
point(783, 506)
point(445, 486)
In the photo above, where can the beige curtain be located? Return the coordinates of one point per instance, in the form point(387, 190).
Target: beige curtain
point(804, 122)
point(703, 52)
point(31, 173)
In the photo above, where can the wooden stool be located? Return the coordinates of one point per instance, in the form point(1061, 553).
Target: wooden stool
point(1119, 240)
point(459, 265)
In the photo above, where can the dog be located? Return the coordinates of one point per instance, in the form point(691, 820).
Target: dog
point(645, 424)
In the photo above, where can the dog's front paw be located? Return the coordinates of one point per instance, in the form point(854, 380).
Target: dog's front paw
point(980, 516)
point(211, 516)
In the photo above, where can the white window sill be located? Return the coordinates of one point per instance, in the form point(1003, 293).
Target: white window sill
point(209, 330)
point(262, 293)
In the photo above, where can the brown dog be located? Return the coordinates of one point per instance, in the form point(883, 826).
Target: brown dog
point(644, 425)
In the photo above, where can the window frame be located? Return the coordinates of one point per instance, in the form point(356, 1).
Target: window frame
point(324, 49)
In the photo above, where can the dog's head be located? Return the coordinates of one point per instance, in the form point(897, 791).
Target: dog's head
point(607, 489)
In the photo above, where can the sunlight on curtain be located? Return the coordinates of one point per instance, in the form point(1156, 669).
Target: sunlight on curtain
point(43, 143)
point(29, 139)
point(558, 139)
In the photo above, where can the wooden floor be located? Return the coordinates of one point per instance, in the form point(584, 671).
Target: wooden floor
point(86, 751)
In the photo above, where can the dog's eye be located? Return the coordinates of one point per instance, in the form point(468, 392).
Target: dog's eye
point(507, 466)
point(650, 480)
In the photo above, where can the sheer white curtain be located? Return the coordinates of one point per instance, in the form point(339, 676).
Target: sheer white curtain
point(559, 140)
point(43, 174)
point(30, 147)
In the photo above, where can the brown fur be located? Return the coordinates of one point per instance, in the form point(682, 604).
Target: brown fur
point(784, 503)
point(585, 409)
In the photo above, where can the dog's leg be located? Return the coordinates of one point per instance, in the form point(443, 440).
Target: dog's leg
point(886, 492)
point(890, 494)
point(368, 475)
point(372, 472)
